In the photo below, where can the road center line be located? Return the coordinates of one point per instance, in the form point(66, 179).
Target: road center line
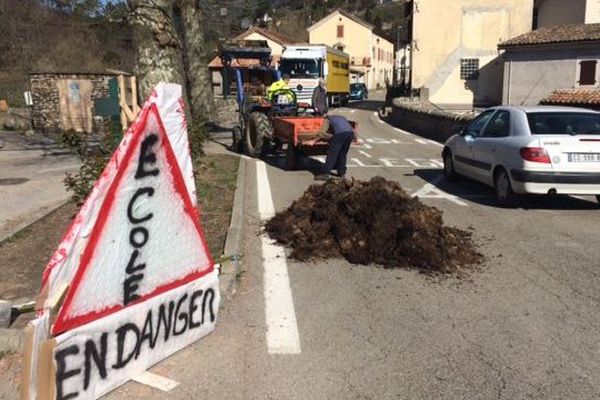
point(280, 314)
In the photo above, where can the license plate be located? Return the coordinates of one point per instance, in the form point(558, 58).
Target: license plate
point(584, 157)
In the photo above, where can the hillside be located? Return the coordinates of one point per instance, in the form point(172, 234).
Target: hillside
point(292, 17)
point(93, 35)
point(38, 37)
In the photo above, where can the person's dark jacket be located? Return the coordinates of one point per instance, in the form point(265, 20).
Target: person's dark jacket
point(319, 100)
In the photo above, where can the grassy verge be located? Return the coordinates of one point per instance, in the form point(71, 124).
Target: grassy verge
point(216, 177)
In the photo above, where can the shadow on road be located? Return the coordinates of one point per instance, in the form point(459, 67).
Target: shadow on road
point(304, 163)
point(479, 193)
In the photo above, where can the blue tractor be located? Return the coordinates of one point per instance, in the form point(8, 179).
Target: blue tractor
point(247, 74)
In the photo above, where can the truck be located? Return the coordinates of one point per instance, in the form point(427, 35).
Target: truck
point(305, 64)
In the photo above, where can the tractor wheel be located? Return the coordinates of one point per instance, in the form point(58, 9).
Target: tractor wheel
point(237, 143)
point(258, 130)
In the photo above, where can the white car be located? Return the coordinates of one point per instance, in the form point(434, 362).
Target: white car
point(520, 150)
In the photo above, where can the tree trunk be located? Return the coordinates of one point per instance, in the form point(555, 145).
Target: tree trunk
point(195, 61)
point(159, 48)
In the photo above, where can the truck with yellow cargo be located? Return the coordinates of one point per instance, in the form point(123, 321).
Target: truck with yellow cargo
point(305, 64)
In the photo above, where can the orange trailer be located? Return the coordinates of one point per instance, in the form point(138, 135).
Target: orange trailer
point(299, 134)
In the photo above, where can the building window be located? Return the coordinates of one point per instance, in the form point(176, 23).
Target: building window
point(587, 73)
point(469, 69)
point(340, 31)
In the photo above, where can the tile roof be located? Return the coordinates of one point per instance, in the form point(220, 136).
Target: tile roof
point(241, 62)
point(277, 37)
point(573, 96)
point(556, 34)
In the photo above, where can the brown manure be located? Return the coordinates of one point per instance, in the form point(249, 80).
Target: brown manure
point(368, 222)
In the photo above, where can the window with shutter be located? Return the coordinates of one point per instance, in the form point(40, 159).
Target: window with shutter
point(587, 73)
point(340, 31)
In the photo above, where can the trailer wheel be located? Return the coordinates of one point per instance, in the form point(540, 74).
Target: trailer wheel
point(258, 129)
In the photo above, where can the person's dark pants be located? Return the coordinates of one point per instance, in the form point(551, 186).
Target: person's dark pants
point(337, 153)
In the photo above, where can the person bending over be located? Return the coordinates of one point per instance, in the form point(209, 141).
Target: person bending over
point(341, 138)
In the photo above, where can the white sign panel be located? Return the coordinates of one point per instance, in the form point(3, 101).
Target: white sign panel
point(96, 358)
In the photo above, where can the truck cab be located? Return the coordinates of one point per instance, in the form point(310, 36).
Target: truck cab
point(305, 64)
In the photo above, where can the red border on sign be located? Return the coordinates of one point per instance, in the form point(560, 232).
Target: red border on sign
point(63, 322)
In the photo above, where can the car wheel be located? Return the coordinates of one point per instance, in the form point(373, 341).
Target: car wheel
point(449, 171)
point(505, 194)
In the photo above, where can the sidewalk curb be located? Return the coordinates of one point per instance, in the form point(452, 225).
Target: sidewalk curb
point(230, 269)
point(36, 217)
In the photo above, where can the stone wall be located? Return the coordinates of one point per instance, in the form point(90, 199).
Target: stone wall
point(226, 113)
point(45, 111)
point(427, 122)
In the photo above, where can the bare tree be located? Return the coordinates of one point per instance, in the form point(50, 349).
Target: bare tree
point(170, 47)
point(158, 47)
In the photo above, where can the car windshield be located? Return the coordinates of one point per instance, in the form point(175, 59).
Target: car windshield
point(564, 123)
point(300, 68)
point(355, 86)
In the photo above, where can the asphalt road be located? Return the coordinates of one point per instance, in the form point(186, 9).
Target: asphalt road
point(524, 326)
point(31, 185)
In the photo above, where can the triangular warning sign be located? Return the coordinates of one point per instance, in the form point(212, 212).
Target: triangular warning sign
point(63, 264)
point(146, 239)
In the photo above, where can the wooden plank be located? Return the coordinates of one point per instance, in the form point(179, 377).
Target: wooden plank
point(121, 80)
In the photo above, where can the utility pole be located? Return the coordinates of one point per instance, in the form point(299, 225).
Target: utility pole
point(411, 41)
point(397, 67)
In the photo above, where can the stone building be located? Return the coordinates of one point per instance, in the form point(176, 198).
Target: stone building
point(67, 100)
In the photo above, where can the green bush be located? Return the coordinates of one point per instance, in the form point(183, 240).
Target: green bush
point(93, 156)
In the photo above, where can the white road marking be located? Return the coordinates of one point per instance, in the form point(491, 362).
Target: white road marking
point(428, 141)
point(429, 191)
point(280, 313)
point(391, 163)
point(266, 209)
point(433, 142)
point(364, 153)
point(425, 163)
point(375, 113)
point(358, 162)
point(401, 131)
point(383, 141)
point(156, 381)
point(352, 111)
